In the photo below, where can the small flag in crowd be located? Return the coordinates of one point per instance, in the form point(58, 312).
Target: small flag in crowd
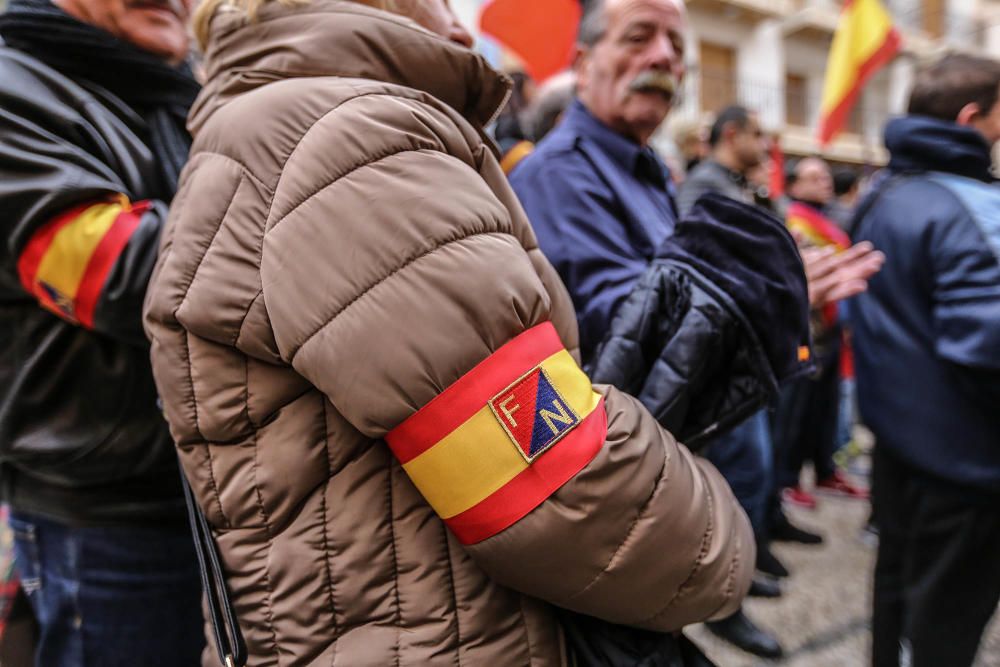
point(865, 41)
point(540, 33)
point(815, 228)
point(776, 182)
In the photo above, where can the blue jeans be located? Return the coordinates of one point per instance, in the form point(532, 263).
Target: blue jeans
point(111, 596)
point(845, 418)
point(744, 457)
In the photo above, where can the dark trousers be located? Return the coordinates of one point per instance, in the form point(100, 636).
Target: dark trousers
point(111, 596)
point(745, 459)
point(937, 578)
point(804, 424)
point(20, 634)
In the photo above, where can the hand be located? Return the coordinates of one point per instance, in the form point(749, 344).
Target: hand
point(833, 275)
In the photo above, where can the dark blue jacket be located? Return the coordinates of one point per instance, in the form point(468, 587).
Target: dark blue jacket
point(927, 332)
point(600, 205)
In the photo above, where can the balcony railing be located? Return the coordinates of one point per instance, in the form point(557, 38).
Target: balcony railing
point(936, 20)
point(707, 91)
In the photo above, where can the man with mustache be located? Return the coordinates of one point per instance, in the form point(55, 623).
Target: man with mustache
point(93, 100)
point(599, 198)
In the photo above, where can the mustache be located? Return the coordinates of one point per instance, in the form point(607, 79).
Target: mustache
point(655, 81)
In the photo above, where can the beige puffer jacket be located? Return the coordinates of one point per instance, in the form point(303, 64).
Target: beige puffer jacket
point(345, 264)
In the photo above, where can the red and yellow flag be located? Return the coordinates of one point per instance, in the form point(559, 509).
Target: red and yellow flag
point(504, 437)
point(815, 228)
point(67, 261)
point(540, 33)
point(865, 41)
point(776, 179)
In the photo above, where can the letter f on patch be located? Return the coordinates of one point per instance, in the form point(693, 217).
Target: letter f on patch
point(548, 418)
point(509, 412)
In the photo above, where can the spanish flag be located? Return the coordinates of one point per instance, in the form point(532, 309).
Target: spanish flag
point(865, 41)
point(540, 33)
point(68, 260)
point(815, 229)
point(504, 437)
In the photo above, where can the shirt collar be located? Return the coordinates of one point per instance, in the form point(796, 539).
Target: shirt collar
point(640, 161)
point(734, 176)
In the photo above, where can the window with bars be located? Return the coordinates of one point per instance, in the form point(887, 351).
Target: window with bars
point(718, 76)
point(934, 17)
point(796, 101)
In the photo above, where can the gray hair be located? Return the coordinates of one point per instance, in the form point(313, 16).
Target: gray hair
point(593, 23)
point(550, 102)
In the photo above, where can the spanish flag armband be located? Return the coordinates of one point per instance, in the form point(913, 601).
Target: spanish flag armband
point(504, 437)
point(67, 261)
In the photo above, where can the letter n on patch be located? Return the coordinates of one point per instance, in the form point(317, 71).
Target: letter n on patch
point(533, 413)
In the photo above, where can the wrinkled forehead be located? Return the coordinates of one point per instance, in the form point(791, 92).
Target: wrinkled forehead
point(670, 12)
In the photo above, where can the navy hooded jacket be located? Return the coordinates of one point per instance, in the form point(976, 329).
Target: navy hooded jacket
point(927, 332)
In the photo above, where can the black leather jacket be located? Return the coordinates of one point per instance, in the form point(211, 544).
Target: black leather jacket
point(81, 436)
point(717, 322)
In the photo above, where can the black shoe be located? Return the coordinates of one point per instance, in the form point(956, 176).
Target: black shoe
point(784, 531)
point(764, 587)
point(740, 631)
point(768, 563)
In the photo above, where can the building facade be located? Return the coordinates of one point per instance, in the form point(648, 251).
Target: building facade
point(770, 55)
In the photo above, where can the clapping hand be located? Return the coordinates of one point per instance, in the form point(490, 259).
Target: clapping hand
point(833, 275)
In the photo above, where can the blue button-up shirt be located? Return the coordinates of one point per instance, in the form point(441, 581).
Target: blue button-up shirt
point(601, 205)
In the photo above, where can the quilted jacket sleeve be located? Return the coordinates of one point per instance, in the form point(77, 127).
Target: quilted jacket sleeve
point(418, 313)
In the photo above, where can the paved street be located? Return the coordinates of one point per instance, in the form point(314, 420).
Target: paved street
point(822, 620)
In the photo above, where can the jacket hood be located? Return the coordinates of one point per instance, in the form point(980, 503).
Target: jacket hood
point(347, 39)
point(920, 143)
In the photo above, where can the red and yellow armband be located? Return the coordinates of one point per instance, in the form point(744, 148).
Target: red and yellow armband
point(67, 261)
point(504, 437)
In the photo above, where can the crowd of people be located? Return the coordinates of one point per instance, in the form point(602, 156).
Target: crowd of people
point(333, 345)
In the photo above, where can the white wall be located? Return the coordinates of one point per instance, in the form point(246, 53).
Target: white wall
point(991, 41)
point(468, 13)
point(761, 70)
point(901, 74)
point(961, 27)
point(807, 58)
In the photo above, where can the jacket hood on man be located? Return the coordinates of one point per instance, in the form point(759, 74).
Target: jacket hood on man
point(344, 250)
point(921, 143)
point(364, 43)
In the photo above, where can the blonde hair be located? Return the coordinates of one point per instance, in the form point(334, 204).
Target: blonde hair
point(206, 10)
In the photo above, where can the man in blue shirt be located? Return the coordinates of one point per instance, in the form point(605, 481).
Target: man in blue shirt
point(600, 200)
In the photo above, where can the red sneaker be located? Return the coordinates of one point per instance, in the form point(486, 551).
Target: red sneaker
point(839, 484)
point(799, 496)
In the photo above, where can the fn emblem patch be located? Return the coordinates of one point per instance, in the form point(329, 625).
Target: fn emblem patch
point(533, 413)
